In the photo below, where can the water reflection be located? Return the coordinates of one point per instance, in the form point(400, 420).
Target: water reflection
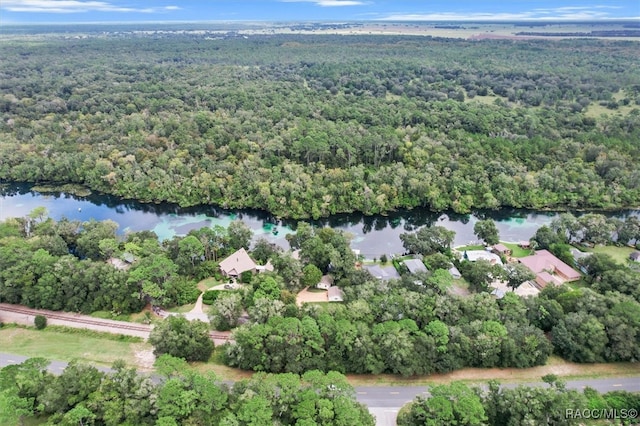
point(373, 235)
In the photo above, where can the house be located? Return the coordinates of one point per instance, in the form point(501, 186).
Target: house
point(128, 257)
point(635, 256)
point(475, 255)
point(525, 244)
point(544, 278)
point(415, 266)
point(382, 273)
point(501, 250)
point(334, 294)
point(455, 274)
point(577, 254)
point(549, 269)
point(237, 263)
point(325, 282)
point(498, 293)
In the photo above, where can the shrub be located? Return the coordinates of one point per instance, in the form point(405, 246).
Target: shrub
point(40, 321)
point(210, 296)
point(245, 277)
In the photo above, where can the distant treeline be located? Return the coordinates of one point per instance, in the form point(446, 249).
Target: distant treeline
point(602, 33)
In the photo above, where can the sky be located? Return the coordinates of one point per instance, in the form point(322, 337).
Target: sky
point(73, 11)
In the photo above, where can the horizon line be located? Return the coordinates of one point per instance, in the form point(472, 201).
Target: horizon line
point(341, 21)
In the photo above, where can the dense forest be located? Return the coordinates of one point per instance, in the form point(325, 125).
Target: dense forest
point(309, 126)
point(177, 395)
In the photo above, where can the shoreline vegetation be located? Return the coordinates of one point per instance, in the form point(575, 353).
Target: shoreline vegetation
point(67, 188)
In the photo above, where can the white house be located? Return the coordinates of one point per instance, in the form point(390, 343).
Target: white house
point(325, 282)
point(334, 294)
point(237, 263)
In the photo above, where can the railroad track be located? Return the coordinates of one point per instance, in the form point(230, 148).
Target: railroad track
point(83, 320)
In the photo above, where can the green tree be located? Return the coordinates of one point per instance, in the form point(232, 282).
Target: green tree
point(545, 237)
point(225, 311)
point(182, 338)
point(516, 274)
point(487, 231)
point(454, 404)
point(311, 275)
point(239, 235)
point(480, 274)
point(428, 240)
point(580, 337)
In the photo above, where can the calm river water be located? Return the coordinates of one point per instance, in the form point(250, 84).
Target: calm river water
point(373, 235)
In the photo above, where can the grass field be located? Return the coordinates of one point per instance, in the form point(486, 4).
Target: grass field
point(619, 254)
point(56, 345)
point(207, 283)
point(462, 249)
point(517, 251)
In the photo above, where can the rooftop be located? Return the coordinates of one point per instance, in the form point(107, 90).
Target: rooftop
point(415, 265)
point(237, 263)
point(543, 260)
point(475, 255)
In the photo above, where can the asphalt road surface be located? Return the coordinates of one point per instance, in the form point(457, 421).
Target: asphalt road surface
point(384, 402)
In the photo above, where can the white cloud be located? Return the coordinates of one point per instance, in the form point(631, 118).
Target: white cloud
point(74, 6)
point(329, 3)
point(569, 13)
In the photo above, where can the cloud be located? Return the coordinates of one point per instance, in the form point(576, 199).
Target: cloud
point(329, 3)
point(569, 13)
point(75, 6)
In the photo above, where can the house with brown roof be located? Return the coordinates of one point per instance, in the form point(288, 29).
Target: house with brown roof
point(549, 269)
point(501, 250)
point(237, 263)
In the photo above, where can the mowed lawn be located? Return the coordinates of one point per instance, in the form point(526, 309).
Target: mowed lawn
point(55, 345)
point(619, 254)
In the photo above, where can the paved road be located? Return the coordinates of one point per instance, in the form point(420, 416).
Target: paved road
point(384, 402)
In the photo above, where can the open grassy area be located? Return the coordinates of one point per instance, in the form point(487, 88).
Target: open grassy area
point(207, 283)
point(216, 365)
point(56, 345)
point(461, 249)
point(517, 251)
point(182, 309)
point(619, 254)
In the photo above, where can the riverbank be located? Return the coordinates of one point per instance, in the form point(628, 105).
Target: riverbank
point(373, 236)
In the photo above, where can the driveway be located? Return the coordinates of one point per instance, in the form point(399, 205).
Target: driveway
point(306, 296)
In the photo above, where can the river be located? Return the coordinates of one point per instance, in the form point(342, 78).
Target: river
point(372, 235)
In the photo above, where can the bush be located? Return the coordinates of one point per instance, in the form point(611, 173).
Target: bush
point(40, 321)
point(245, 277)
point(181, 338)
point(210, 296)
